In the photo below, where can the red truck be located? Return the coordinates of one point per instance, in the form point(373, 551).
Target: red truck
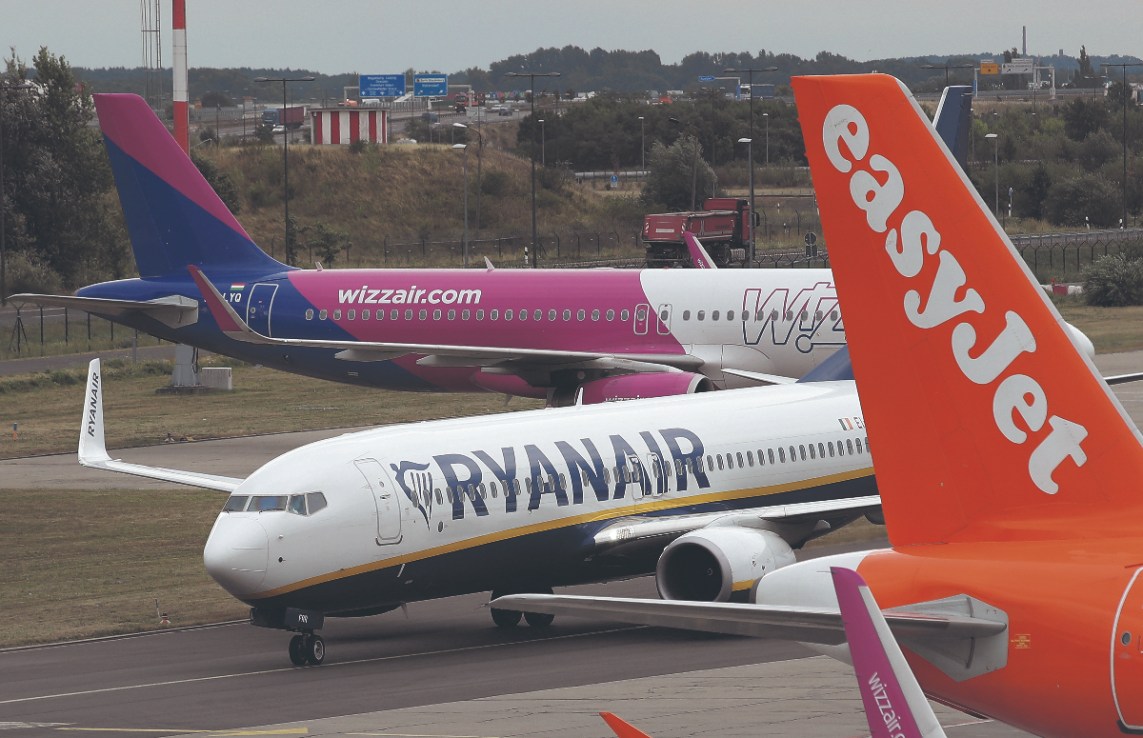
point(291, 117)
point(723, 226)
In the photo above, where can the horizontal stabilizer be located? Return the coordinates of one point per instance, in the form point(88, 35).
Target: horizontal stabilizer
point(93, 448)
point(173, 311)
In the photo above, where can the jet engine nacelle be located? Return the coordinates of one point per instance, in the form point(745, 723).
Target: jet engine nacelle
point(636, 386)
point(705, 565)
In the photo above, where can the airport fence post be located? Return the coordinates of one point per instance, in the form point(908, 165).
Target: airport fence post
point(66, 327)
point(41, 330)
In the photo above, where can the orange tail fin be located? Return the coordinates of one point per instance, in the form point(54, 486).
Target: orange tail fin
point(621, 727)
point(985, 422)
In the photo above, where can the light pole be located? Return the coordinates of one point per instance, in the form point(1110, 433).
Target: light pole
point(4, 87)
point(532, 87)
point(464, 165)
point(479, 159)
point(766, 117)
point(543, 145)
point(750, 83)
point(996, 174)
point(1123, 221)
point(285, 151)
point(750, 157)
point(642, 147)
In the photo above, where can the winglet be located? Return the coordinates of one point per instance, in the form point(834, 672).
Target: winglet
point(92, 447)
point(894, 703)
point(699, 257)
point(621, 727)
point(228, 321)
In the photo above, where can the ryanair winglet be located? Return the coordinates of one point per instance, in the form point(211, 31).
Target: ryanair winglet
point(92, 447)
point(985, 421)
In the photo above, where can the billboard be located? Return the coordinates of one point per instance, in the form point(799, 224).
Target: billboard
point(381, 85)
point(989, 67)
point(430, 85)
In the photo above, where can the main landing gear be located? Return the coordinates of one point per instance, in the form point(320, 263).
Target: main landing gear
point(511, 618)
point(307, 649)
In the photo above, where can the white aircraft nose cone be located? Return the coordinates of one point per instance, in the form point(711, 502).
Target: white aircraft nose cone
point(236, 554)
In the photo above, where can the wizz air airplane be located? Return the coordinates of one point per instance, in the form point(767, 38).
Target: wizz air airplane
point(560, 335)
point(1009, 473)
point(710, 492)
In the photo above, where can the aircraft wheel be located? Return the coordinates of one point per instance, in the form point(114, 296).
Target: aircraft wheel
point(314, 650)
point(539, 619)
point(504, 618)
point(297, 657)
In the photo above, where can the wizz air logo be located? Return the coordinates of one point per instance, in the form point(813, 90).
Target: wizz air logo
point(416, 481)
point(366, 295)
point(943, 293)
point(810, 317)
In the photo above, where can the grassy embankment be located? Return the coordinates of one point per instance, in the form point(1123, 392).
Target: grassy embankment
point(86, 563)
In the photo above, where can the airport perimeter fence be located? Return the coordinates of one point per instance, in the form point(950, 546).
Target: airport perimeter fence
point(29, 330)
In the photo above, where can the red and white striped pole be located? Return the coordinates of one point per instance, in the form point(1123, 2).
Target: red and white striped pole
point(179, 87)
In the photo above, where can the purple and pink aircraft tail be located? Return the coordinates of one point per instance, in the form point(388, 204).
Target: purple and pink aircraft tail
point(173, 215)
point(895, 707)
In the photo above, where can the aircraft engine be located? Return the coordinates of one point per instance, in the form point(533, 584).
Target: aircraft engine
point(636, 386)
point(705, 565)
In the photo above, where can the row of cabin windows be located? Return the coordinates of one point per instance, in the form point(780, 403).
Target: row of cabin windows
point(744, 459)
point(553, 315)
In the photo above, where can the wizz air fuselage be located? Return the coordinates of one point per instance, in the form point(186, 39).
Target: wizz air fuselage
point(779, 322)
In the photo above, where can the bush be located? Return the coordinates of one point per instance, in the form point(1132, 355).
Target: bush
point(1114, 281)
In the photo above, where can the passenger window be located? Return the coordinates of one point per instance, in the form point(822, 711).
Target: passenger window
point(315, 501)
point(802, 456)
point(663, 314)
point(452, 315)
point(494, 314)
point(710, 462)
point(686, 315)
point(523, 314)
point(337, 314)
point(595, 314)
point(322, 315)
point(730, 315)
point(759, 314)
point(483, 491)
point(781, 455)
point(466, 314)
point(610, 315)
point(580, 314)
point(380, 314)
point(701, 314)
point(451, 495)
point(365, 314)
point(821, 450)
point(508, 315)
point(480, 314)
point(794, 453)
point(567, 315)
point(859, 446)
point(739, 455)
point(492, 489)
point(309, 313)
point(833, 315)
point(537, 315)
point(423, 314)
point(235, 503)
point(848, 446)
point(714, 315)
point(552, 314)
point(408, 313)
point(812, 454)
point(351, 314)
point(625, 315)
point(718, 458)
point(830, 447)
point(437, 314)
point(394, 314)
point(297, 504)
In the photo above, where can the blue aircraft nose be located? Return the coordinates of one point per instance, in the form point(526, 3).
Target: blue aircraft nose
point(236, 554)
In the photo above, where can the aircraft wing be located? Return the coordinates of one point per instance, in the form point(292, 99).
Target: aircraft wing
point(446, 355)
point(803, 624)
point(173, 310)
point(93, 449)
point(630, 533)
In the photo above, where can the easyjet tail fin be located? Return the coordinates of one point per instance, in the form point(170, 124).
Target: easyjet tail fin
point(985, 421)
point(173, 216)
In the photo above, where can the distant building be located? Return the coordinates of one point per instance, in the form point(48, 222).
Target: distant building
point(343, 126)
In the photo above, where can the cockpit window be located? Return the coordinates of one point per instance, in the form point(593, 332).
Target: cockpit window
point(235, 503)
point(297, 504)
point(265, 503)
point(316, 501)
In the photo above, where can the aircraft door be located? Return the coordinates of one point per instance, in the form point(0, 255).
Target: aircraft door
point(660, 475)
point(642, 316)
point(258, 306)
point(1127, 656)
point(386, 499)
point(664, 322)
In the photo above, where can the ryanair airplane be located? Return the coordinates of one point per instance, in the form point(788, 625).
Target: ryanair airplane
point(709, 491)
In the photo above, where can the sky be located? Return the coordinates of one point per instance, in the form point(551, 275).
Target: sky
point(390, 36)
